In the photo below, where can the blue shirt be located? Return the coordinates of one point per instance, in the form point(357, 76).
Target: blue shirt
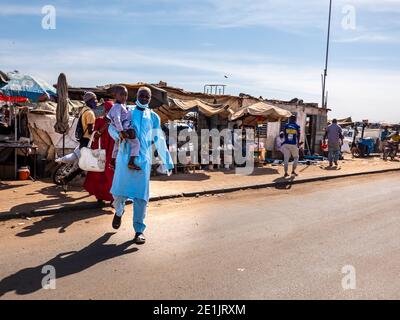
point(131, 183)
point(384, 135)
point(334, 132)
point(292, 133)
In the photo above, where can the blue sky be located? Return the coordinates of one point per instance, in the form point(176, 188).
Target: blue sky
point(269, 48)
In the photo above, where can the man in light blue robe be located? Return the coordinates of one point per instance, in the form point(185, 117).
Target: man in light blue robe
point(134, 184)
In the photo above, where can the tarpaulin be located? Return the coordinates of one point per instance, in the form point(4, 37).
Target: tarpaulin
point(268, 111)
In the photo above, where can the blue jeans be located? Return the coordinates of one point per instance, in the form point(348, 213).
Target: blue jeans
point(139, 211)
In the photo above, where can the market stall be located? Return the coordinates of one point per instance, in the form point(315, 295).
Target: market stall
point(16, 90)
point(255, 115)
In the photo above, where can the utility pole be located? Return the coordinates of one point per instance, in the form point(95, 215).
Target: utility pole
point(324, 97)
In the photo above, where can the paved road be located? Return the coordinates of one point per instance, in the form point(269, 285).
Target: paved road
point(249, 245)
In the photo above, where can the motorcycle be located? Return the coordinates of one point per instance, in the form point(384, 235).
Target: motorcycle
point(66, 165)
point(390, 150)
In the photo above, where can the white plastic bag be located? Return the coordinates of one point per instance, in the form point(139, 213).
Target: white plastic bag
point(346, 147)
point(92, 160)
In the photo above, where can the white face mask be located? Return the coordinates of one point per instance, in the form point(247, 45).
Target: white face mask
point(143, 106)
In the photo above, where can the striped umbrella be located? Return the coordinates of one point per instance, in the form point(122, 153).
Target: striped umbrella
point(21, 85)
point(12, 99)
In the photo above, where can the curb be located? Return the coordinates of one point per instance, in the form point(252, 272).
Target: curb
point(271, 184)
point(88, 206)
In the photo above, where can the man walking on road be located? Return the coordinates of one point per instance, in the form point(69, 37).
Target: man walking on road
point(291, 144)
point(334, 135)
point(135, 184)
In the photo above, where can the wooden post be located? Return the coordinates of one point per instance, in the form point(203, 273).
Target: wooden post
point(15, 138)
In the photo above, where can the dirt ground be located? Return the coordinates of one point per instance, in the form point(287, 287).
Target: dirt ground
point(25, 196)
point(256, 244)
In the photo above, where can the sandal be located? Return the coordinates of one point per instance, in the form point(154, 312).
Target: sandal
point(134, 167)
point(139, 238)
point(116, 223)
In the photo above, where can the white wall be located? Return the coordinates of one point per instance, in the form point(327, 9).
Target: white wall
point(301, 112)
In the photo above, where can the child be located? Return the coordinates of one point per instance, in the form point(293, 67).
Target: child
point(120, 117)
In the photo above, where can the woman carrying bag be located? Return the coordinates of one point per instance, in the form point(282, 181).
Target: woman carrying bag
point(99, 184)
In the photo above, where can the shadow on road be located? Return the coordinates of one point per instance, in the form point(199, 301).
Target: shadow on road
point(55, 197)
point(198, 176)
point(5, 186)
point(256, 171)
point(202, 176)
point(284, 183)
point(29, 280)
point(333, 168)
point(305, 168)
point(61, 222)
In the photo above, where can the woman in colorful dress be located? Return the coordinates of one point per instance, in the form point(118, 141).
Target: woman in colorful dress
point(99, 184)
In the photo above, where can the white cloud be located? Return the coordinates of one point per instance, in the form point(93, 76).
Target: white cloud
point(17, 10)
point(221, 13)
point(299, 17)
point(369, 38)
point(360, 93)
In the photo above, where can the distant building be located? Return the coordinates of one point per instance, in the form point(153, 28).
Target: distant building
point(312, 119)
